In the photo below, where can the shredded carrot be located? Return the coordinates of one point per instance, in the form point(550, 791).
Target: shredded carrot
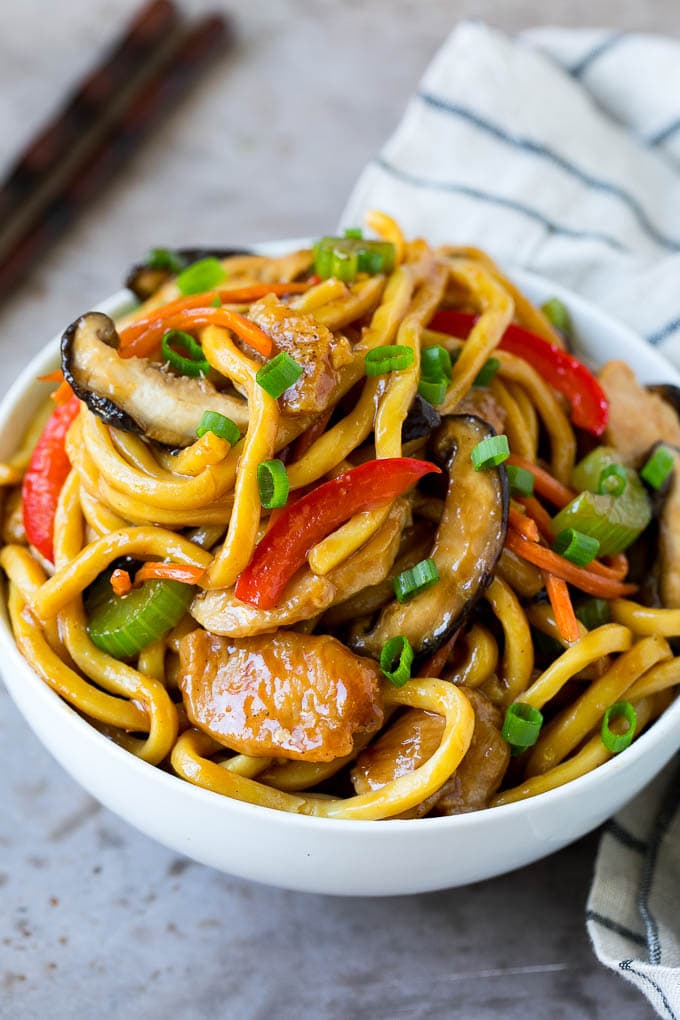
point(240, 295)
point(590, 581)
point(433, 665)
point(525, 525)
point(539, 514)
point(544, 483)
point(147, 343)
point(617, 565)
point(56, 376)
point(120, 582)
point(62, 394)
point(560, 600)
point(169, 572)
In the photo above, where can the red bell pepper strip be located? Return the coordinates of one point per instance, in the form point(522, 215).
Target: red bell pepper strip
point(564, 372)
point(45, 476)
point(283, 549)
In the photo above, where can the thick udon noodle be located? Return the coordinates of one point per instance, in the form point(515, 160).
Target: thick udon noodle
point(127, 497)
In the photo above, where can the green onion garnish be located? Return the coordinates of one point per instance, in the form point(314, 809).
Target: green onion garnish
point(435, 363)
point(521, 726)
point(487, 372)
point(216, 301)
point(393, 358)
point(557, 314)
point(520, 480)
point(272, 481)
point(279, 374)
point(434, 391)
point(616, 742)
point(418, 578)
point(225, 428)
point(491, 452)
point(613, 480)
point(344, 257)
point(165, 258)
point(658, 467)
point(576, 547)
point(202, 275)
point(396, 659)
point(354, 232)
point(593, 613)
point(194, 363)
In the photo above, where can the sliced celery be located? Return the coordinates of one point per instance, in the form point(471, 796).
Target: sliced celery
point(121, 625)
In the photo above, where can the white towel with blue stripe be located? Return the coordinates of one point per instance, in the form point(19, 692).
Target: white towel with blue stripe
point(560, 151)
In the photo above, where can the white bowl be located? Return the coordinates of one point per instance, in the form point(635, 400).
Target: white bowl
point(321, 855)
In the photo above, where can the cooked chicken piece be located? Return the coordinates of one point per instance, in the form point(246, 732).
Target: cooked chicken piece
point(406, 745)
point(480, 402)
point(669, 543)
point(308, 594)
point(286, 695)
point(637, 418)
point(481, 771)
point(220, 612)
point(413, 739)
point(312, 345)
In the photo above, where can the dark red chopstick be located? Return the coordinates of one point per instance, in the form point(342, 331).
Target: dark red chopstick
point(177, 58)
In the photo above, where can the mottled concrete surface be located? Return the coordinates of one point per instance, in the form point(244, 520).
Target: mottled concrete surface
point(96, 921)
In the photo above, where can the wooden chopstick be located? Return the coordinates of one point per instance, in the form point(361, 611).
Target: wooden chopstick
point(175, 56)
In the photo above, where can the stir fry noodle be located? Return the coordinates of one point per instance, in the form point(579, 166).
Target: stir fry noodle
point(349, 532)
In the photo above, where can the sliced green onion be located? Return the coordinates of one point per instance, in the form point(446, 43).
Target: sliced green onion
point(344, 257)
point(202, 275)
point(557, 314)
point(194, 363)
point(393, 358)
point(613, 480)
point(593, 613)
point(396, 659)
point(225, 428)
point(344, 265)
point(521, 726)
point(576, 547)
point(433, 391)
point(272, 481)
point(121, 625)
point(658, 467)
point(615, 521)
point(520, 480)
point(491, 452)
point(165, 258)
point(279, 374)
point(435, 363)
point(487, 372)
point(616, 742)
point(216, 301)
point(354, 232)
point(416, 579)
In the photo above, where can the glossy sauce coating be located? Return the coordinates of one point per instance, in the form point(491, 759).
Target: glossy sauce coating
point(284, 695)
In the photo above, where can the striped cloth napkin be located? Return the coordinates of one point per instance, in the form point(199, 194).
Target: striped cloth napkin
point(560, 151)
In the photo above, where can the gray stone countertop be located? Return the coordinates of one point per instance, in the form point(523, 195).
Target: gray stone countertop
point(97, 921)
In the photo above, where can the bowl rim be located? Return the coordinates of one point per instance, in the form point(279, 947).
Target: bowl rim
point(119, 303)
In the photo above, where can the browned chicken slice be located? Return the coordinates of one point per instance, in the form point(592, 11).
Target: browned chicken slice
point(637, 418)
point(285, 695)
point(308, 594)
point(413, 739)
point(406, 745)
point(481, 771)
point(318, 351)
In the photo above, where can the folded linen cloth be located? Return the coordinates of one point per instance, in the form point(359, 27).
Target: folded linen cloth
point(560, 151)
